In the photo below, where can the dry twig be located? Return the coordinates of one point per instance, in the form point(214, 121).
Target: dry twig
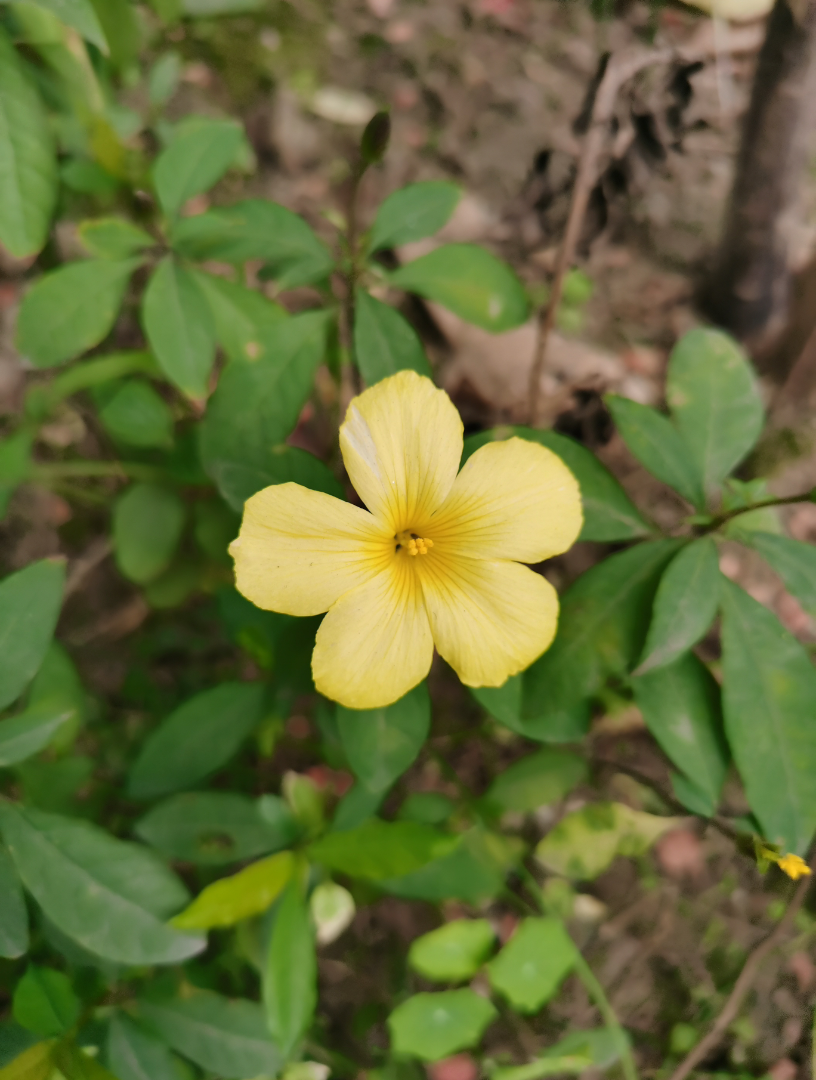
point(743, 984)
point(620, 69)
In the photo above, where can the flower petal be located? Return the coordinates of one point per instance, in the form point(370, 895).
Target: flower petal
point(512, 500)
point(402, 443)
point(299, 550)
point(490, 619)
point(375, 643)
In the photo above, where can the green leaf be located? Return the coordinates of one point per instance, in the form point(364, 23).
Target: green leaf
point(195, 160)
point(769, 701)
point(682, 709)
point(13, 912)
point(28, 179)
point(384, 342)
point(583, 844)
point(57, 688)
point(44, 1002)
point(113, 238)
point(381, 744)
point(210, 829)
point(685, 604)
point(255, 407)
point(470, 282)
point(71, 309)
point(537, 780)
point(178, 324)
point(257, 229)
point(715, 402)
point(196, 739)
point(602, 627)
point(381, 849)
point(80, 16)
point(147, 526)
point(609, 513)
point(290, 972)
point(30, 603)
point(122, 29)
point(138, 416)
point(164, 77)
point(74, 1063)
point(35, 1063)
point(413, 212)
point(533, 964)
point(24, 735)
point(794, 561)
point(474, 871)
point(505, 703)
point(15, 461)
point(231, 899)
point(454, 952)
point(134, 1054)
point(243, 318)
point(228, 1038)
point(658, 446)
point(575, 1053)
point(106, 894)
point(434, 1026)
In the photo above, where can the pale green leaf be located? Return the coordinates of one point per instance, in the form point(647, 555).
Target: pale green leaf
point(434, 1026)
point(454, 952)
point(413, 212)
point(30, 601)
point(533, 964)
point(231, 899)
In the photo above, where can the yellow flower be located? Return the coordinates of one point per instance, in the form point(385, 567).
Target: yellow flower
point(433, 561)
point(794, 866)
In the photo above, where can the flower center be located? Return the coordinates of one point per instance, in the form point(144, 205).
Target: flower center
point(411, 543)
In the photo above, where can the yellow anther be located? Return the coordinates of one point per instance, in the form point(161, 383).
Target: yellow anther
point(412, 544)
point(794, 866)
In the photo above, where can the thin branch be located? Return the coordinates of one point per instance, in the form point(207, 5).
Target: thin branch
point(742, 986)
point(619, 70)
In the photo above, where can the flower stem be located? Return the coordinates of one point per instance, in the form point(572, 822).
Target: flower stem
point(610, 1017)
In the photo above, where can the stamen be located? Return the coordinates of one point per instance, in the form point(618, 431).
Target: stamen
point(413, 543)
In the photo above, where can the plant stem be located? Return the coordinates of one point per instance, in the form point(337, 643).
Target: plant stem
point(722, 519)
point(594, 989)
point(59, 470)
point(610, 1017)
point(99, 370)
point(348, 386)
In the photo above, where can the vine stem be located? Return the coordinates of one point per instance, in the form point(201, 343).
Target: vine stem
point(593, 988)
point(743, 984)
point(607, 1011)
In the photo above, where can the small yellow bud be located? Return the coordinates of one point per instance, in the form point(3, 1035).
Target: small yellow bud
point(794, 866)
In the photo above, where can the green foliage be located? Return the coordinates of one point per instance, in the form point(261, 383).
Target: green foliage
point(28, 185)
point(470, 282)
point(72, 309)
point(29, 606)
point(194, 161)
point(147, 525)
point(134, 1054)
point(681, 705)
point(434, 1026)
point(138, 416)
point(45, 1002)
point(768, 697)
point(793, 560)
point(179, 327)
point(228, 1037)
point(13, 913)
point(231, 899)
point(685, 604)
point(584, 843)
point(537, 780)
point(412, 213)
point(384, 343)
point(454, 952)
point(105, 894)
point(532, 965)
point(196, 739)
point(290, 972)
point(378, 849)
point(381, 744)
